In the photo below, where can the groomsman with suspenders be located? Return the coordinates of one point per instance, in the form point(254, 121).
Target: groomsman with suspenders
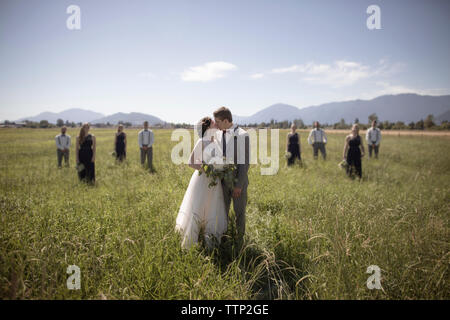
point(62, 147)
point(146, 139)
point(318, 139)
point(373, 137)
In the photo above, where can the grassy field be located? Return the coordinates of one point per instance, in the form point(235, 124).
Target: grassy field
point(311, 231)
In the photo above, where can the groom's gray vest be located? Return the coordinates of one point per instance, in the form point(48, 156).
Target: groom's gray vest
point(241, 157)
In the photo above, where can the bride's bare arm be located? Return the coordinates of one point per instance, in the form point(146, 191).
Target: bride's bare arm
point(194, 164)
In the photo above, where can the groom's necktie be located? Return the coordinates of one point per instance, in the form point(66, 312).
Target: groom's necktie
point(224, 143)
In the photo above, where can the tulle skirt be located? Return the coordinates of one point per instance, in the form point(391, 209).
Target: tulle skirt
point(203, 207)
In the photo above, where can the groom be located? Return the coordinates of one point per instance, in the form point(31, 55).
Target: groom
point(235, 143)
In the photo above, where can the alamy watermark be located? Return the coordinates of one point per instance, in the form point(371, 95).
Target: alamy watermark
point(374, 20)
point(73, 22)
point(374, 281)
point(74, 281)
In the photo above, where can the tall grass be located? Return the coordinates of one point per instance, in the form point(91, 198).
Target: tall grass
point(311, 231)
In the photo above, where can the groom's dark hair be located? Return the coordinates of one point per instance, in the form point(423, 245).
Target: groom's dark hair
point(223, 113)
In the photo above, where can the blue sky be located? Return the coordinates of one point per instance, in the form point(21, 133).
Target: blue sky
point(180, 60)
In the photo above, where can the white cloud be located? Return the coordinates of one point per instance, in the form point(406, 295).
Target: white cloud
point(294, 68)
point(387, 69)
point(341, 73)
point(208, 71)
point(388, 88)
point(257, 76)
point(385, 88)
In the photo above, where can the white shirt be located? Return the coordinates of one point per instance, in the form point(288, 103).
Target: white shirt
point(145, 137)
point(62, 141)
point(229, 133)
point(373, 136)
point(317, 135)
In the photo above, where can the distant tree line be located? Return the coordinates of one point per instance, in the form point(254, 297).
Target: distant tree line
point(180, 125)
point(61, 122)
point(273, 124)
point(427, 124)
point(40, 124)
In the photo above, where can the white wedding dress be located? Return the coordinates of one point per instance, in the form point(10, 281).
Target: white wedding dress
point(203, 207)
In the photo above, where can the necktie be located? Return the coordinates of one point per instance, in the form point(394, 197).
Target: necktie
point(224, 143)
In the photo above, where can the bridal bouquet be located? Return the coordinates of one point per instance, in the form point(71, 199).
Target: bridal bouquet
point(216, 169)
point(343, 164)
point(79, 167)
point(288, 155)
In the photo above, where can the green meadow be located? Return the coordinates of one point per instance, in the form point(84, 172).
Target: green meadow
point(311, 231)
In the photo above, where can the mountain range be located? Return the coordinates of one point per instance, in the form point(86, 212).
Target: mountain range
point(72, 115)
point(135, 118)
point(401, 107)
point(81, 115)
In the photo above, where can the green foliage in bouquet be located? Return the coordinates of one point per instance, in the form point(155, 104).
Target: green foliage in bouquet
point(227, 172)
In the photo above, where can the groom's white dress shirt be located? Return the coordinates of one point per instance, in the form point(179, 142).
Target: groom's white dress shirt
point(243, 151)
point(229, 134)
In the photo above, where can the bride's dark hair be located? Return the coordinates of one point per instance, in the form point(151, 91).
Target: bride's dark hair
point(205, 123)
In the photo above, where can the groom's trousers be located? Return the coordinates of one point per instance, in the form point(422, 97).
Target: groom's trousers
point(239, 205)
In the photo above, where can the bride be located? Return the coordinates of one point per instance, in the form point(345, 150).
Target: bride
point(203, 207)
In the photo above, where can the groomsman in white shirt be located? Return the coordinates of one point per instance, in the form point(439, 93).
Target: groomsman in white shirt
point(146, 139)
point(62, 147)
point(318, 139)
point(373, 137)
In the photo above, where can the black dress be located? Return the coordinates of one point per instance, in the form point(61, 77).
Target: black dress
point(354, 157)
point(85, 154)
point(120, 146)
point(293, 148)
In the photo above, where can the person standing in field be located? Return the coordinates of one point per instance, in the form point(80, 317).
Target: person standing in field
point(146, 139)
point(318, 139)
point(293, 146)
point(373, 137)
point(353, 152)
point(85, 152)
point(235, 143)
point(203, 206)
point(62, 147)
point(120, 144)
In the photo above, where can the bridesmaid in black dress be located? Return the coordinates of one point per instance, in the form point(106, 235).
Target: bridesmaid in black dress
point(120, 144)
point(85, 153)
point(353, 152)
point(293, 145)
